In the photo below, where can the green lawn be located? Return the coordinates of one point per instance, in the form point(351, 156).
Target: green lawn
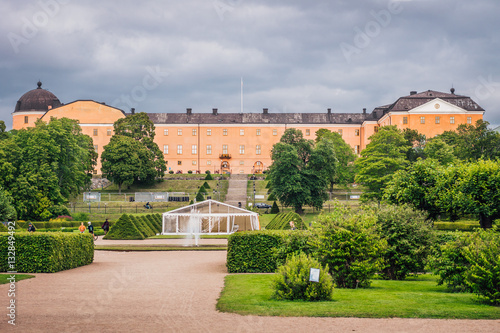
point(19, 277)
point(250, 294)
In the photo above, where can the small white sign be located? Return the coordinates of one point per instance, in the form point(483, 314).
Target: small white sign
point(259, 196)
point(354, 197)
point(314, 275)
point(159, 197)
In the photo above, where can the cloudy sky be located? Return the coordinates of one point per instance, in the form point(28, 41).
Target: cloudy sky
point(293, 56)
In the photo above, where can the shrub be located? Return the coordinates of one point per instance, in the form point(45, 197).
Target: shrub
point(282, 222)
point(205, 185)
point(81, 217)
point(291, 281)
point(456, 226)
point(142, 225)
point(47, 252)
point(124, 228)
point(199, 197)
point(209, 176)
point(3, 228)
point(483, 256)
point(349, 243)
point(271, 197)
point(191, 202)
point(409, 240)
point(171, 172)
point(293, 243)
point(275, 209)
point(207, 172)
point(190, 172)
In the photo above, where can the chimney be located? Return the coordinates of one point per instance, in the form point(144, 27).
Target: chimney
point(132, 110)
point(329, 111)
point(413, 92)
point(364, 110)
point(189, 111)
point(214, 112)
point(265, 110)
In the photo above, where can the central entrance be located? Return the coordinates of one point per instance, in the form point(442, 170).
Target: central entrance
point(225, 167)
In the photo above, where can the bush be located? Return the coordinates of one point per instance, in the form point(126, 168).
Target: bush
point(206, 186)
point(209, 176)
point(190, 172)
point(81, 217)
point(124, 228)
point(142, 225)
point(275, 209)
point(293, 243)
point(282, 222)
point(291, 281)
point(47, 252)
point(456, 226)
point(271, 197)
point(3, 228)
point(349, 243)
point(409, 238)
point(171, 172)
point(199, 197)
point(207, 172)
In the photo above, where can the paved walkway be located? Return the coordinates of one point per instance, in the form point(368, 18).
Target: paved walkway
point(237, 190)
point(169, 292)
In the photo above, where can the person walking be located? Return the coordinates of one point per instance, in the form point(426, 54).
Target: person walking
point(91, 228)
point(82, 228)
point(105, 226)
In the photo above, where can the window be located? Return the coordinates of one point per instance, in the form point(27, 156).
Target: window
point(275, 132)
point(95, 172)
point(257, 150)
point(194, 149)
point(194, 131)
point(469, 120)
point(209, 149)
point(308, 132)
point(95, 131)
point(224, 149)
point(242, 132)
point(422, 120)
point(242, 149)
point(340, 132)
point(438, 119)
point(356, 132)
point(165, 149)
point(452, 120)
point(165, 131)
point(209, 132)
point(242, 162)
point(108, 132)
point(224, 131)
point(375, 129)
point(25, 119)
point(209, 162)
point(179, 149)
point(258, 131)
point(356, 149)
point(194, 162)
point(179, 131)
point(405, 120)
point(179, 162)
point(95, 148)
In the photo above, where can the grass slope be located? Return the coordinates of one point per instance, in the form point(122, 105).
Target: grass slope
point(19, 277)
point(250, 294)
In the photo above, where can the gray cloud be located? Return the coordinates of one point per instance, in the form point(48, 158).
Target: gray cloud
point(289, 53)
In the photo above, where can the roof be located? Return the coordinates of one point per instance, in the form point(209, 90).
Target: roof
point(211, 207)
point(37, 100)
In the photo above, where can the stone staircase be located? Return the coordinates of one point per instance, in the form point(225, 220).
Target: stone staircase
point(237, 190)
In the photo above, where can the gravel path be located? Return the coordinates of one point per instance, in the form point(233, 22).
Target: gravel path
point(170, 292)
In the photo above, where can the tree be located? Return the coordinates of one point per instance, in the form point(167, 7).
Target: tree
point(474, 142)
point(345, 156)
point(294, 137)
point(7, 210)
point(440, 151)
point(324, 160)
point(293, 180)
point(121, 161)
point(139, 127)
point(383, 156)
point(416, 144)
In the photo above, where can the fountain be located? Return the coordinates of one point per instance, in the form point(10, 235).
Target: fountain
point(193, 228)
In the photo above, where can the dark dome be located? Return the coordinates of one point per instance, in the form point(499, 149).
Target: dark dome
point(37, 100)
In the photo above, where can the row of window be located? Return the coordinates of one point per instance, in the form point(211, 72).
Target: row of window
point(194, 162)
point(194, 149)
point(437, 120)
point(194, 132)
point(109, 132)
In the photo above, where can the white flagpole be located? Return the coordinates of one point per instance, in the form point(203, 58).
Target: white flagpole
point(241, 110)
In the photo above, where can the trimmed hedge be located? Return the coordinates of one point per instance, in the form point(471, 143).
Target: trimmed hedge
point(282, 222)
point(47, 252)
point(3, 228)
point(58, 225)
point(258, 251)
point(124, 228)
point(456, 226)
point(142, 225)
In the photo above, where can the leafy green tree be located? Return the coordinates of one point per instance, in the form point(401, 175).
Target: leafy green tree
point(440, 151)
point(349, 243)
point(294, 137)
point(383, 156)
point(3, 133)
point(344, 173)
point(477, 141)
point(324, 160)
point(409, 239)
point(7, 210)
point(275, 209)
point(121, 161)
point(416, 144)
point(139, 127)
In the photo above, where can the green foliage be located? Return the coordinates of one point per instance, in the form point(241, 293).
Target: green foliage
point(349, 242)
point(209, 176)
point(282, 222)
point(291, 281)
point(47, 252)
point(415, 144)
point(477, 141)
point(409, 240)
point(253, 251)
point(293, 243)
point(82, 217)
point(190, 172)
point(3, 228)
point(7, 210)
point(124, 228)
point(440, 151)
point(271, 197)
point(141, 224)
point(275, 209)
point(383, 156)
point(206, 186)
point(155, 221)
point(324, 161)
point(455, 226)
point(191, 202)
point(199, 197)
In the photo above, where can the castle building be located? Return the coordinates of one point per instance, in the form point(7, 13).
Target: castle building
point(242, 142)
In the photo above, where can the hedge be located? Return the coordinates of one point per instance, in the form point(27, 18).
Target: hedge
point(124, 228)
point(256, 251)
point(46, 252)
point(456, 226)
point(142, 225)
point(282, 221)
point(57, 225)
